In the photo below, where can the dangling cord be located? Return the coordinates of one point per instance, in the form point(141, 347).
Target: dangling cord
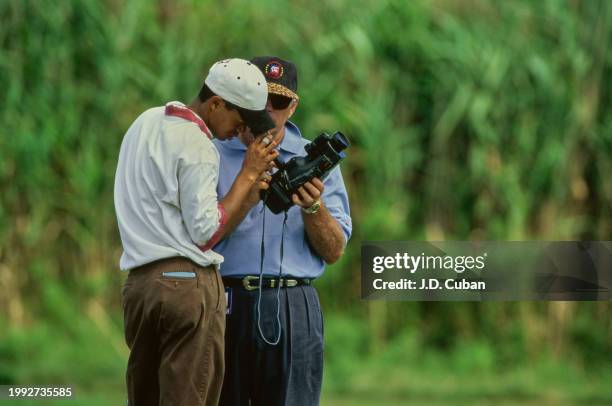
point(280, 275)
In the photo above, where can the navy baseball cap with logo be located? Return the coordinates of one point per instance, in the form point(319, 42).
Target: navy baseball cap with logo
point(280, 74)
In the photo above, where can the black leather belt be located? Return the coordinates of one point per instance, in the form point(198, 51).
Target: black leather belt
point(251, 282)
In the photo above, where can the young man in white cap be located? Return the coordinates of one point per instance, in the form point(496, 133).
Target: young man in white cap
point(274, 338)
point(169, 218)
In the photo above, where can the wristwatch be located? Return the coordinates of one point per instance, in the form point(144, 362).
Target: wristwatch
point(314, 208)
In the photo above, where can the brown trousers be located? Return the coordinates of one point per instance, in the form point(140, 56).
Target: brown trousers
point(175, 330)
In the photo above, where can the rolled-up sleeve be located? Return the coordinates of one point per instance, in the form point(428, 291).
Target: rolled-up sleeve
point(336, 200)
point(202, 214)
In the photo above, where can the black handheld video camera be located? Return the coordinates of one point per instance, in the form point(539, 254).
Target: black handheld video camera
point(323, 154)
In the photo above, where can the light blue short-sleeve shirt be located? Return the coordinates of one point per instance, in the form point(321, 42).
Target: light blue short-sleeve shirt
point(242, 248)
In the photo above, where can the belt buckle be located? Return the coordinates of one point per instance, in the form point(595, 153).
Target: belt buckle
point(246, 282)
point(290, 283)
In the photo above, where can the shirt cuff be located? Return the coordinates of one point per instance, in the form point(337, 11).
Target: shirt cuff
point(217, 235)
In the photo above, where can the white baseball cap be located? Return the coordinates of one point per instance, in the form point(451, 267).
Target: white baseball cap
point(241, 83)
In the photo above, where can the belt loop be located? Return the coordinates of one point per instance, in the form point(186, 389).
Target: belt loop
point(198, 275)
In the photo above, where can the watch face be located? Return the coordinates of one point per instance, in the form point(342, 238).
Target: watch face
point(314, 208)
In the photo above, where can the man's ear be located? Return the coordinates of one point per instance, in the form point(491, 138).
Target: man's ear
point(292, 107)
point(215, 102)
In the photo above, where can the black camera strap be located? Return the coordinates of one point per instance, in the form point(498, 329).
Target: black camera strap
point(280, 275)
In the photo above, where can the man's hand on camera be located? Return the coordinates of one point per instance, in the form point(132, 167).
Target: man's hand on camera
point(308, 194)
point(263, 183)
point(260, 156)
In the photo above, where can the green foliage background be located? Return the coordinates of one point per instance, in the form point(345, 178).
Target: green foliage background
point(469, 120)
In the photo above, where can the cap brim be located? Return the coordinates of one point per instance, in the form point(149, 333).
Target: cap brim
point(281, 90)
point(259, 121)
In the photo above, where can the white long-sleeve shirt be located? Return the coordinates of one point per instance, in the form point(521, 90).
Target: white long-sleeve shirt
point(165, 189)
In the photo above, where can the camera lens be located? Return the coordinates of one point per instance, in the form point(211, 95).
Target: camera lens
point(339, 141)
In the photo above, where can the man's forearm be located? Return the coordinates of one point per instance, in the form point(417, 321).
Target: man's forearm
point(324, 234)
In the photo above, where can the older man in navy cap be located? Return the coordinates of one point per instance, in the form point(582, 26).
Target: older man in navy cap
point(274, 333)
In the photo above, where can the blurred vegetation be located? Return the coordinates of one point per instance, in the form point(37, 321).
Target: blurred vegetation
point(469, 120)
